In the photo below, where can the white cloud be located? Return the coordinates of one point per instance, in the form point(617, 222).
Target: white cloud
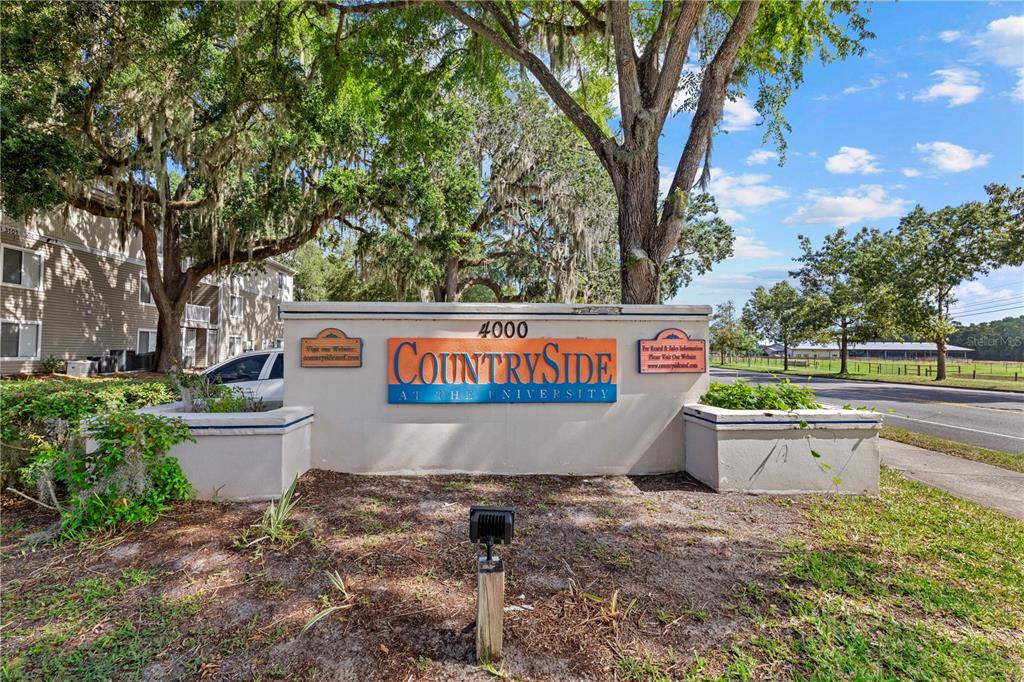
point(1002, 41)
point(958, 85)
point(726, 281)
point(664, 180)
point(739, 115)
point(978, 290)
point(852, 160)
point(873, 83)
point(867, 202)
point(748, 190)
point(748, 247)
point(950, 158)
point(731, 215)
point(759, 157)
point(910, 172)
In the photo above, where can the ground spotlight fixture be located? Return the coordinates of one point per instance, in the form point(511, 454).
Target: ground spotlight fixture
point(491, 526)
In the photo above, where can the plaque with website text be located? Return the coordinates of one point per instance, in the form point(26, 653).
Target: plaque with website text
point(671, 351)
point(331, 348)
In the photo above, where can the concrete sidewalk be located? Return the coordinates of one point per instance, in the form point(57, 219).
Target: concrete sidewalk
point(987, 485)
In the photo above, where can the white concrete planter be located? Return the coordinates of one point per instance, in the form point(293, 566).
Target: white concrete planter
point(242, 455)
point(774, 451)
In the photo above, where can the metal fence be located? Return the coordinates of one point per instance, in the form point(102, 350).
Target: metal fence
point(981, 370)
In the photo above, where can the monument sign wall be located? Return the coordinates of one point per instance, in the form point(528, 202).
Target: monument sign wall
point(498, 388)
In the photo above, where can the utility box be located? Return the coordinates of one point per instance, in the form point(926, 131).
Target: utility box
point(79, 368)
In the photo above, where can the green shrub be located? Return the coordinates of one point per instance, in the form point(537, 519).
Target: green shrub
point(52, 364)
point(38, 414)
point(127, 478)
point(743, 396)
point(199, 394)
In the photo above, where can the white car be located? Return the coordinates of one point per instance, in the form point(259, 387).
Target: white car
point(259, 373)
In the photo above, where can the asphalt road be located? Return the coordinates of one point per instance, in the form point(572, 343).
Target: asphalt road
point(987, 418)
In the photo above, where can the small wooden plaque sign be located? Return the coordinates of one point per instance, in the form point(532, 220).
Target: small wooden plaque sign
point(671, 352)
point(331, 348)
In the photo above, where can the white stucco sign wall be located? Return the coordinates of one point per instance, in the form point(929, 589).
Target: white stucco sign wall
point(500, 388)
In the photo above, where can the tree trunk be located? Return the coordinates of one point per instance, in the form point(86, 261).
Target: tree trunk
point(168, 338)
point(171, 309)
point(940, 357)
point(785, 356)
point(844, 350)
point(639, 261)
point(451, 280)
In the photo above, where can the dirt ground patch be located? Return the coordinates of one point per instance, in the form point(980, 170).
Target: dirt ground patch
point(603, 570)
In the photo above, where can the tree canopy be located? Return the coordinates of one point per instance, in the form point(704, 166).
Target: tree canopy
point(224, 133)
point(579, 52)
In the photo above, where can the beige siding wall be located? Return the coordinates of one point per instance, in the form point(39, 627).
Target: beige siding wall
point(88, 304)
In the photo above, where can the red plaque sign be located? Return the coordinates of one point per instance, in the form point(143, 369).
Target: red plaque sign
point(671, 352)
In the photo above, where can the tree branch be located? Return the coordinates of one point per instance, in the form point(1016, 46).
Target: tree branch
point(486, 282)
point(367, 7)
point(630, 102)
point(601, 144)
point(267, 248)
point(648, 65)
point(709, 111)
point(675, 55)
point(486, 260)
point(592, 22)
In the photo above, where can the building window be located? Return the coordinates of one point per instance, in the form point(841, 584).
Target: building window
point(235, 309)
point(145, 294)
point(234, 346)
point(147, 341)
point(19, 339)
point(22, 268)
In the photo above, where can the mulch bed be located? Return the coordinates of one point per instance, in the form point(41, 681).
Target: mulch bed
point(649, 568)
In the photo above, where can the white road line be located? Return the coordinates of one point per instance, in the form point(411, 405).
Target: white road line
point(950, 426)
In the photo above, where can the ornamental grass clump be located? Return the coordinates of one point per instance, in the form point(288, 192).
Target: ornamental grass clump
point(741, 395)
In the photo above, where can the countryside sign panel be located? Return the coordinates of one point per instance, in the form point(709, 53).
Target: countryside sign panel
point(439, 370)
point(331, 348)
point(671, 352)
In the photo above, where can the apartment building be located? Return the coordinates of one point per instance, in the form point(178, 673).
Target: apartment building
point(71, 289)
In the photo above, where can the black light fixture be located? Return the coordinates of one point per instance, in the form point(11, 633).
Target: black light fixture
point(491, 526)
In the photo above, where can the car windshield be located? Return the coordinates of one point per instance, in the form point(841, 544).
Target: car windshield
point(241, 369)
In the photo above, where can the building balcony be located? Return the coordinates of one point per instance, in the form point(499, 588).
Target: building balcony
point(197, 314)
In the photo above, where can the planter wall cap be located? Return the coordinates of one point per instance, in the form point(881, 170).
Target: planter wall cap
point(282, 419)
point(827, 418)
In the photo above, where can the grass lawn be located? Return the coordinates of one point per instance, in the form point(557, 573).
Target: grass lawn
point(998, 458)
point(867, 371)
point(652, 578)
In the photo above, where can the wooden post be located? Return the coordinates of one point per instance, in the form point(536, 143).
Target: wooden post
point(490, 609)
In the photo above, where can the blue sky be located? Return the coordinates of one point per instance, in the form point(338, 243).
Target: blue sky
point(930, 115)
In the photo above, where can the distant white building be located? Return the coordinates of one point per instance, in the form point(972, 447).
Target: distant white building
point(879, 350)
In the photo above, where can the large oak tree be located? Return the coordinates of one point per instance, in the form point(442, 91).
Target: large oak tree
point(222, 133)
point(661, 57)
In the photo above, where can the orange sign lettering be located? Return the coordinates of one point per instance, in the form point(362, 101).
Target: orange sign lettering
point(440, 370)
